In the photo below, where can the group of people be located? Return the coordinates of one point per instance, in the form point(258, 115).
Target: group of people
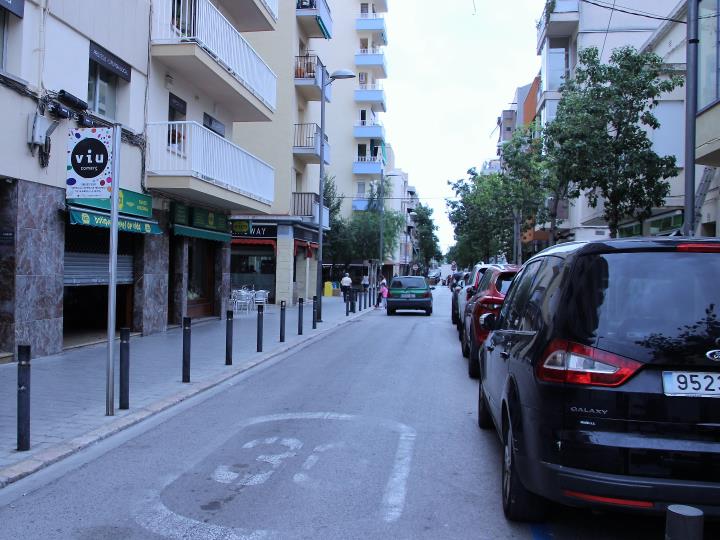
point(382, 294)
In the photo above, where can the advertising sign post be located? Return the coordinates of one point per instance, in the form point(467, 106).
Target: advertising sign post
point(93, 172)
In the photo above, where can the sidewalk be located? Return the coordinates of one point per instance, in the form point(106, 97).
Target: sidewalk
point(68, 389)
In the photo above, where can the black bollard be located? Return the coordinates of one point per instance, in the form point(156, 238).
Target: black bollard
point(314, 320)
point(353, 302)
point(228, 337)
point(683, 523)
point(124, 369)
point(261, 314)
point(301, 304)
point(23, 399)
point(186, 350)
point(347, 308)
point(282, 321)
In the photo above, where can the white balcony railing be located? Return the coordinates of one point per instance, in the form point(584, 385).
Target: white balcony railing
point(372, 15)
point(369, 159)
point(189, 149)
point(370, 86)
point(198, 21)
point(369, 123)
point(373, 50)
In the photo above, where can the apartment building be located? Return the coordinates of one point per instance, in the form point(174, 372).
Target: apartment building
point(180, 79)
point(278, 251)
point(571, 26)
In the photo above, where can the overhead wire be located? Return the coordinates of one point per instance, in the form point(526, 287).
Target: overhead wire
point(639, 13)
point(607, 30)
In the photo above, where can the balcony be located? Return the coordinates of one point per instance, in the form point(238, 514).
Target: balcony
point(373, 23)
point(253, 15)
point(562, 22)
point(368, 165)
point(369, 129)
point(371, 94)
point(308, 78)
point(314, 18)
point(372, 59)
point(306, 205)
point(306, 144)
point(199, 45)
point(190, 162)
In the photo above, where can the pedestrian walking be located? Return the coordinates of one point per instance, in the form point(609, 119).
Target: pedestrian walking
point(365, 282)
point(345, 284)
point(384, 291)
point(382, 283)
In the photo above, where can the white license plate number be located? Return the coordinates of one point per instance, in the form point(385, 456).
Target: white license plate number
point(407, 296)
point(693, 384)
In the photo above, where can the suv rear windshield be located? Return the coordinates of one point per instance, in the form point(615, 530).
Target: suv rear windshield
point(661, 305)
point(412, 282)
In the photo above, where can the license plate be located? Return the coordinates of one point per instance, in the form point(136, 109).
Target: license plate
point(407, 296)
point(693, 384)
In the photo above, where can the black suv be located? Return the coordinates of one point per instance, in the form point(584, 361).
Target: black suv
point(599, 376)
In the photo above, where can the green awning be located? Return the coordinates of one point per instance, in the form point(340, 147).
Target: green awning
point(93, 218)
point(204, 234)
point(323, 28)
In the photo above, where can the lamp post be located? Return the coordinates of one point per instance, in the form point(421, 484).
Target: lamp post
point(691, 107)
point(324, 83)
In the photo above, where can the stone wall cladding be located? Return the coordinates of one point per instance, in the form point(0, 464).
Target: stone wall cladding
point(39, 267)
point(150, 310)
point(179, 279)
point(8, 222)
point(222, 278)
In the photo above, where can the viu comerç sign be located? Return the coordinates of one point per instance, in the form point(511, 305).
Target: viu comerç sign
point(89, 166)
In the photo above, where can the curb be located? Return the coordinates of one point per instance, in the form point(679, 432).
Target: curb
point(65, 449)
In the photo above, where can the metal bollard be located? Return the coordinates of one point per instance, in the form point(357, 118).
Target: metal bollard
point(260, 316)
point(347, 309)
point(23, 398)
point(282, 321)
point(359, 300)
point(683, 523)
point(186, 350)
point(353, 300)
point(301, 304)
point(314, 318)
point(124, 369)
point(228, 337)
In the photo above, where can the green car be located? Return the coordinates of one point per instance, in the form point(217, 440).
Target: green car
point(409, 292)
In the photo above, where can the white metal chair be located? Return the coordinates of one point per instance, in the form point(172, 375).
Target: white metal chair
point(261, 298)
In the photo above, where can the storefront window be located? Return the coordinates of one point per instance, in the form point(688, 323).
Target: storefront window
point(102, 90)
point(708, 91)
point(253, 267)
point(3, 32)
point(198, 261)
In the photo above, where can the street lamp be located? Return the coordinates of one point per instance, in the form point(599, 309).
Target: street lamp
point(336, 75)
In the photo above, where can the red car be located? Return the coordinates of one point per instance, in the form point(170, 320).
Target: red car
point(491, 293)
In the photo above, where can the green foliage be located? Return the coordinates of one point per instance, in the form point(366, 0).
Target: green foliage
point(598, 139)
point(338, 244)
point(427, 241)
point(482, 217)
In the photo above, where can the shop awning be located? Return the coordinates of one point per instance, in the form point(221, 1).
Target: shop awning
point(204, 234)
point(255, 242)
point(94, 218)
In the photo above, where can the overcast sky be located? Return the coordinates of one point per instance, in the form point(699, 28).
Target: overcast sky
point(453, 65)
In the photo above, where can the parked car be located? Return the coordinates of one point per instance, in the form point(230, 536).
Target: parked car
point(467, 292)
point(488, 299)
point(458, 283)
point(409, 292)
point(599, 373)
point(434, 276)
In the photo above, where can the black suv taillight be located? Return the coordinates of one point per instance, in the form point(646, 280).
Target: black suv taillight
point(572, 363)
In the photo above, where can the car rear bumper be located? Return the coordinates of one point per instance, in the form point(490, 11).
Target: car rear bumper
point(409, 303)
point(577, 487)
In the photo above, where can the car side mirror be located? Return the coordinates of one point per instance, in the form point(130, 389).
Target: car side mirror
point(488, 322)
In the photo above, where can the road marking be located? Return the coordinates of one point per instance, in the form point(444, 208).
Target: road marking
point(312, 460)
point(154, 516)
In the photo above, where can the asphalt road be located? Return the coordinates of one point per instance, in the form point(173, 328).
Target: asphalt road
point(369, 433)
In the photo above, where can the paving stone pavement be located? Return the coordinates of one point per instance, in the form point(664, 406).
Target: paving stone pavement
point(68, 389)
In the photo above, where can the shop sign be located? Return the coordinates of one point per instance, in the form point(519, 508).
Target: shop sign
point(180, 214)
point(93, 219)
point(16, 7)
point(89, 165)
point(129, 202)
point(204, 219)
point(110, 62)
point(247, 229)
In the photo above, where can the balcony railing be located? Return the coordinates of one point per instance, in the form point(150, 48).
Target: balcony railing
point(369, 159)
point(198, 21)
point(373, 50)
point(303, 204)
point(189, 149)
point(561, 6)
point(370, 86)
point(323, 22)
point(371, 15)
point(307, 136)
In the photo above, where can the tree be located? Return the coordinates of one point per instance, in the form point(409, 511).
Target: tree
point(427, 241)
point(599, 137)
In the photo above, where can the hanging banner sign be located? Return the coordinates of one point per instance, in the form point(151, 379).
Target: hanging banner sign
point(89, 166)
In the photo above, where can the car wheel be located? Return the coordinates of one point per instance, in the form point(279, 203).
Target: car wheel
point(390, 312)
point(484, 418)
point(464, 346)
point(453, 316)
point(473, 361)
point(460, 330)
point(428, 312)
point(518, 503)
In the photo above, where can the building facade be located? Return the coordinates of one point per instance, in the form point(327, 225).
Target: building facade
point(181, 79)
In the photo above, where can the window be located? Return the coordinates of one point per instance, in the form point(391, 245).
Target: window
point(502, 284)
point(708, 66)
point(213, 124)
point(3, 38)
point(361, 189)
point(363, 77)
point(517, 298)
point(544, 289)
point(555, 63)
point(484, 284)
point(409, 283)
point(102, 90)
point(362, 151)
point(364, 8)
